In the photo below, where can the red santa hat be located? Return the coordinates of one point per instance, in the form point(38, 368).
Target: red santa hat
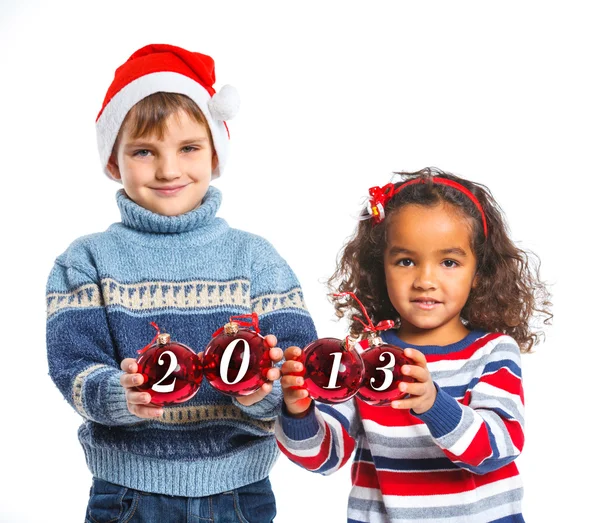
point(166, 68)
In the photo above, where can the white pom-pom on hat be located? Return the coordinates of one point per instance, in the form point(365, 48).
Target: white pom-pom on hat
point(225, 104)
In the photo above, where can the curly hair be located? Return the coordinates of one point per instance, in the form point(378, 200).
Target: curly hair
point(508, 294)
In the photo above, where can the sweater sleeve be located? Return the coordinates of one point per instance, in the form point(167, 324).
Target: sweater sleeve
point(277, 299)
point(484, 431)
point(323, 440)
point(81, 356)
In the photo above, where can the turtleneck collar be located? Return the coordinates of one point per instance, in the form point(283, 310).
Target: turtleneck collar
point(136, 217)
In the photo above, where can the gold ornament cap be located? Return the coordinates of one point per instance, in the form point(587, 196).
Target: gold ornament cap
point(163, 338)
point(375, 339)
point(231, 328)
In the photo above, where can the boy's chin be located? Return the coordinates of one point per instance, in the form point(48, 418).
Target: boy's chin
point(171, 207)
point(190, 198)
point(175, 210)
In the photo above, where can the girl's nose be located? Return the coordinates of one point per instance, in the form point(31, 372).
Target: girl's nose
point(425, 279)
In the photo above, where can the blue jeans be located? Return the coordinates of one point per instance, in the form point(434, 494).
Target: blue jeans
point(110, 503)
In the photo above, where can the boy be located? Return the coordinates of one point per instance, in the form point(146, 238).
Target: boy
point(162, 134)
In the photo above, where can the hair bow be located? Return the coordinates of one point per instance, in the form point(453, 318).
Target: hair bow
point(379, 198)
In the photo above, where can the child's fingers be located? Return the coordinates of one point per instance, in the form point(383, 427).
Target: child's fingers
point(418, 373)
point(407, 403)
point(291, 366)
point(300, 405)
point(417, 356)
point(292, 353)
point(273, 374)
point(138, 398)
point(414, 389)
point(271, 340)
point(131, 380)
point(138, 404)
point(255, 397)
point(129, 365)
point(296, 395)
point(146, 411)
point(290, 381)
point(276, 354)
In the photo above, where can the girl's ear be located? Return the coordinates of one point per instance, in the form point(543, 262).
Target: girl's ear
point(475, 282)
point(215, 161)
point(113, 168)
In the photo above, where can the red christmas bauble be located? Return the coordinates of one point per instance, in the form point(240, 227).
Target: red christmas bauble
point(332, 372)
point(172, 372)
point(383, 375)
point(236, 362)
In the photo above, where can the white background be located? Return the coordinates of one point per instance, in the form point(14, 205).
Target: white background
point(335, 96)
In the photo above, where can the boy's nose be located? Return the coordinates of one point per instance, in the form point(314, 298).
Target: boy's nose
point(168, 169)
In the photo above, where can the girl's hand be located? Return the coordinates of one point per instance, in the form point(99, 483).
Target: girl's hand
point(138, 403)
point(273, 374)
point(422, 391)
point(295, 396)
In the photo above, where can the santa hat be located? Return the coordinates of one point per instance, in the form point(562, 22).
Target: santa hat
point(166, 68)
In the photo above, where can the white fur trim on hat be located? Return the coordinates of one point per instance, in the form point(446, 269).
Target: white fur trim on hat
point(110, 121)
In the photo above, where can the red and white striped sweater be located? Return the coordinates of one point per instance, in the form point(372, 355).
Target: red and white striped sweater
point(452, 464)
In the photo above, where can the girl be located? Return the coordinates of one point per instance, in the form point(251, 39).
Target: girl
point(435, 257)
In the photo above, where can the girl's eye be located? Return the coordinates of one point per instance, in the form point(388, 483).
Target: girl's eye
point(142, 153)
point(450, 263)
point(188, 149)
point(405, 262)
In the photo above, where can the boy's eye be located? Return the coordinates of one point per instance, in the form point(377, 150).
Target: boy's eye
point(404, 262)
point(141, 153)
point(188, 148)
point(450, 263)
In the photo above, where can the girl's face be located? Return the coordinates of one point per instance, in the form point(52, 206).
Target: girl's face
point(429, 270)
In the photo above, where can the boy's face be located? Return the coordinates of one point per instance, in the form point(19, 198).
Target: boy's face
point(168, 176)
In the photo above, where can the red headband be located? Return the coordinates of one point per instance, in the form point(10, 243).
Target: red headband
point(380, 196)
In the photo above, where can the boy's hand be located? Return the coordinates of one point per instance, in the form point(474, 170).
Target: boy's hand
point(422, 391)
point(273, 374)
point(138, 403)
point(295, 396)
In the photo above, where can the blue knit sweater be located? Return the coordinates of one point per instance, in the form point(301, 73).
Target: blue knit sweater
point(189, 274)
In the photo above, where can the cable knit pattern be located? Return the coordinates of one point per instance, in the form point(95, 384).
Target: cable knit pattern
point(189, 274)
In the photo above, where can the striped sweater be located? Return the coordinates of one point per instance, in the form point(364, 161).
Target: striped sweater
point(189, 274)
point(451, 464)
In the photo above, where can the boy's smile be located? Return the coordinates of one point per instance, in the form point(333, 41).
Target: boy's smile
point(430, 270)
point(168, 191)
point(168, 175)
